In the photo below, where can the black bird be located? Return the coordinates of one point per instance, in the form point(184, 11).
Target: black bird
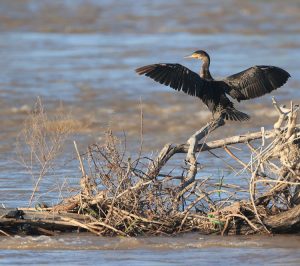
point(250, 83)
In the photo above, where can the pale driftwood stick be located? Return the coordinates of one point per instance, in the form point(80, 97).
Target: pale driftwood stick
point(79, 159)
point(165, 154)
point(236, 158)
point(85, 183)
point(193, 144)
point(290, 134)
point(252, 195)
point(4, 233)
point(282, 114)
point(285, 113)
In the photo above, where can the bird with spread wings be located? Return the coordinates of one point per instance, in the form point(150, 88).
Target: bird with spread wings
point(250, 83)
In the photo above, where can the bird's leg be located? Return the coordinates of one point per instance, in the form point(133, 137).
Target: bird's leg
point(217, 114)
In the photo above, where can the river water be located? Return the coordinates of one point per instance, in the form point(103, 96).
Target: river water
point(81, 55)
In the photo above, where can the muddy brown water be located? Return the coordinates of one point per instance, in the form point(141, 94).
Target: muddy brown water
point(80, 56)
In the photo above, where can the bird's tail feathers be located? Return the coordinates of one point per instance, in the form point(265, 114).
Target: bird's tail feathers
point(235, 115)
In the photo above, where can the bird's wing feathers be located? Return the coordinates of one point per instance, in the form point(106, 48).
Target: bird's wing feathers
point(180, 78)
point(255, 81)
point(176, 76)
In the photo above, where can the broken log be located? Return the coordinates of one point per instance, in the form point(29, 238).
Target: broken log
point(32, 221)
point(284, 222)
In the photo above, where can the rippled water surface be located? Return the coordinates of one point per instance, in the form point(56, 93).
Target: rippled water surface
point(80, 56)
point(184, 250)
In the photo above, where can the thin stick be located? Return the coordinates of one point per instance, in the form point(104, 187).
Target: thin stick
point(252, 198)
point(244, 218)
point(235, 157)
point(276, 181)
point(4, 233)
point(79, 159)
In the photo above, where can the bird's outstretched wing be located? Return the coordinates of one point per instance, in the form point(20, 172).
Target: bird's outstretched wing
point(177, 77)
point(180, 78)
point(255, 81)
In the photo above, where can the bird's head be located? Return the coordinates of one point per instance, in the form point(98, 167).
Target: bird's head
point(200, 54)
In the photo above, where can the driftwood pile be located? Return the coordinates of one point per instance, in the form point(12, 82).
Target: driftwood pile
point(122, 196)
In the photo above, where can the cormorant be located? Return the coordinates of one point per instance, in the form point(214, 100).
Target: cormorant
point(250, 83)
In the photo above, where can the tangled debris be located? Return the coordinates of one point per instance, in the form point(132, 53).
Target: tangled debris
point(122, 196)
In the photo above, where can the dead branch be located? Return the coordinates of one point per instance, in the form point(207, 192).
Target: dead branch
point(192, 149)
point(121, 197)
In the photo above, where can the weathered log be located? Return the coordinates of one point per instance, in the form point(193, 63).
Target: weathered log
point(287, 221)
point(31, 221)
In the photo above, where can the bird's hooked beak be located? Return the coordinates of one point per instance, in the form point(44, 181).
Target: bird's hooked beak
point(191, 56)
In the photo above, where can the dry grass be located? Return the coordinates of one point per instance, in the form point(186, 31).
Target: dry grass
point(41, 142)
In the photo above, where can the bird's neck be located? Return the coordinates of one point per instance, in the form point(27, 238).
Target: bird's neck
point(204, 72)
